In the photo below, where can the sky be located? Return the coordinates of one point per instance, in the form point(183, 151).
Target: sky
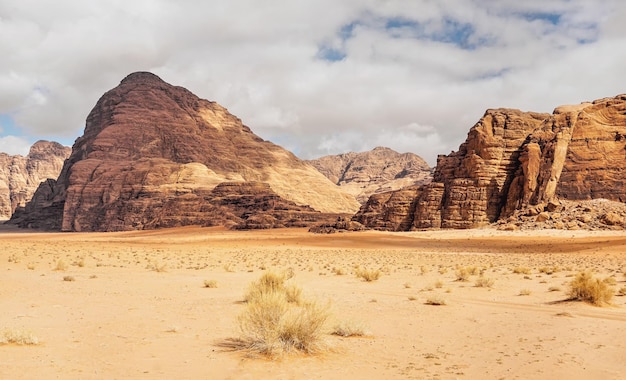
point(315, 76)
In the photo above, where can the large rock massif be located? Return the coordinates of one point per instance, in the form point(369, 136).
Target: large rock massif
point(376, 171)
point(20, 176)
point(155, 155)
point(519, 164)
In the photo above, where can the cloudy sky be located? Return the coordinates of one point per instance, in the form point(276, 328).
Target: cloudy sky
point(315, 76)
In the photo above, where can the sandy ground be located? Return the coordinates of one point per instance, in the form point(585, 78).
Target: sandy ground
point(137, 308)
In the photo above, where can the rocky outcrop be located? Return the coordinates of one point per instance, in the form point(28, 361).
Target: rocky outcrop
point(152, 155)
point(375, 171)
point(20, 176)
point(515, 160)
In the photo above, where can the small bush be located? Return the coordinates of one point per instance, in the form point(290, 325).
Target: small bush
point(622, 291)
point(524, 292)
point(18, 337)
point(521, 270)
point(435, 300)
point(60, 266)
point(584, 287)
point(349, 328)
point(368, 275)
point(210, 284)
point(438, 284)
point(484, 282)
point(272, 282)
point(462, 274)
point(272, 326)
point(69, 278)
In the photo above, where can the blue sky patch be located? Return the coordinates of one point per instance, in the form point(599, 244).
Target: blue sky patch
point(7, 126)
point(551, 18)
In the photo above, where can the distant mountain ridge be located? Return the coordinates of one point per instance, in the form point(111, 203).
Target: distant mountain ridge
point(378, 170)
point(21, 175)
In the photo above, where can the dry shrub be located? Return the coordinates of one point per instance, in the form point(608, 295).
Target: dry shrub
point(484, 282)
point(521, 270)
point(69, 278)
point(368, 275)
point(18, 337)
point(349, 328)
point(524, 292)
point(272, 325)
point(435, 300)
point(462, 274)
point(60, 266)
point(210, 284)
point(584, 287)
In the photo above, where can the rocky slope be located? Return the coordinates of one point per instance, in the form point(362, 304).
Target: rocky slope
point(518, 163)
point(152, 155)
point(376, 171)
point(20, 176)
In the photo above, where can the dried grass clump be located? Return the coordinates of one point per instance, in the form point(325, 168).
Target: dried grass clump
point(349, 328)
point(69, 278)
point(210, 284)
point(271, 325)
point(462, 274)
point(18, 337)
point(60, 266)
point(368, 275)
point(521, 270)
point(584, 287)
point(484, 282)
point(435, 300)
point(524, 292)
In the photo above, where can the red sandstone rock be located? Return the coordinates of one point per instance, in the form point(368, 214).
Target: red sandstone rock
point(152, 155)
point(20, 176)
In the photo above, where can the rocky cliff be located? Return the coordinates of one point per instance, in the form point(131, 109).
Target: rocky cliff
point(372, 172)
point(152, 155)
point(20, 176)
point(517, 163)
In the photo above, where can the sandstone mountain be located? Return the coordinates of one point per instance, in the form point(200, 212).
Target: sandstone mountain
point(517, 163)
point(376, 171)
point(155, 155)
point(20, 176)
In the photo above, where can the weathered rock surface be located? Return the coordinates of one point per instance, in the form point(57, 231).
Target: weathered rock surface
point(515, 160)
point(341, 224)
point(152, 155)
point(375, 171)
point(20, 176)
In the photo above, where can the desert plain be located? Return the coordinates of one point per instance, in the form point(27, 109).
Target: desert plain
point(134, 305)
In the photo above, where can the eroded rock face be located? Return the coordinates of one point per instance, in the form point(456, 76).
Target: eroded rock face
point(515, 160)
point(376, 171)
point(152, 155)
point(20, 176)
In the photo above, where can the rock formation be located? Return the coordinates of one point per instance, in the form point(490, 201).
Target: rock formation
point(376, 171)
point(20, 176)
point(152, 155)
point(515, 163)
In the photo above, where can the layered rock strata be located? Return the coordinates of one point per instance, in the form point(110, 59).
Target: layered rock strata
point(21, 175)
point(514, 161)
point(153, 154)
point(375, 171)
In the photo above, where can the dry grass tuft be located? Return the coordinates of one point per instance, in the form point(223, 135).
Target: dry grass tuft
point(462, 274)
point(60, 266)
point(210, 284)
point(521, 270)
point(18, 337)
point(349, 328)
point(484, 282)
point(435, 300)
point(368, 275)
point(524, 292)
point(271, 325)
point(69, 278)
point(584, 287)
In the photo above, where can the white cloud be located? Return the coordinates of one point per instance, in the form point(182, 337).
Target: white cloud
point(436, 65)
point(14, 145)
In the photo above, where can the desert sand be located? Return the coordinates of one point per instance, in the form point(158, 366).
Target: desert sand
point(133, 304)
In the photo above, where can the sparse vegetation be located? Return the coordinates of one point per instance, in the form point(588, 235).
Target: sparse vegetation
point(19, 337)
point(210, 284)
point(524, 292)
point(272, 326)
point(462, 274)
point(484, 282)
point(554, 289)
point(368, 275)
point(69, 278)
point(157, 267)
point(435, 300)
point(584, 287)
point(60, 265)
point(349, 328)
point(521, 270)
